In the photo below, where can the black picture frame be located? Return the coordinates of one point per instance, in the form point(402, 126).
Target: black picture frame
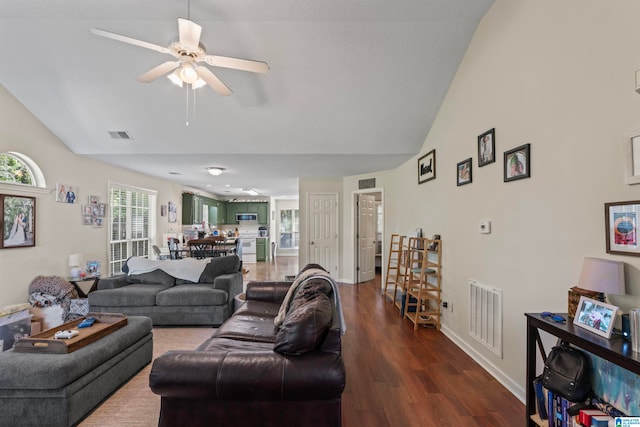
point(464, 173)
point(427, 167)
point(17, 221)
point(517, 163)
point(487, 147)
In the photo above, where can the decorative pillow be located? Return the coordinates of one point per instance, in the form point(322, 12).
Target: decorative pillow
point(305, 327)
point(156, 277)
point(220, 265)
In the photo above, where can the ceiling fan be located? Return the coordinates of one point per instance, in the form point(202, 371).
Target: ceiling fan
point(189, 53)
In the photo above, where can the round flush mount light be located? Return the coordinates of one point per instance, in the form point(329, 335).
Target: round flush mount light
point(215, 171)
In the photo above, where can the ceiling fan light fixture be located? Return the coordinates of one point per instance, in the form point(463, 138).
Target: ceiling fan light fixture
point(215, 171)
point(188, 74)
point(199, 83)
point(175, 78)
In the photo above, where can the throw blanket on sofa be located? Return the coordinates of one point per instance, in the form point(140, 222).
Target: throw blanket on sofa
point(187, 268)
point(302, 278)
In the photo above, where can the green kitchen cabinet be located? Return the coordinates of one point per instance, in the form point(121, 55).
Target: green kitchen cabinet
point(260, 208)
point(191, 209)
point(222, 212)
point(262, 249)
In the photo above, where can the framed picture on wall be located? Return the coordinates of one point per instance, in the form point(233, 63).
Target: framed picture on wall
point(487, 148)
point(463, 170)
point(18, 217)
point(517, 163)
point(66, 193)
point(621, 227)
point(427, 167)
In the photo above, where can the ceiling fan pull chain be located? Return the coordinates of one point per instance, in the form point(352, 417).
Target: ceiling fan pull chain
point(187, 89)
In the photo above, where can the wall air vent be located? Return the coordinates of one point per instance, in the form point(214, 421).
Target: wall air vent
point(119, 134)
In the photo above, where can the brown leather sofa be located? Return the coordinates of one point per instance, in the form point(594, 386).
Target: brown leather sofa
point(252, 373)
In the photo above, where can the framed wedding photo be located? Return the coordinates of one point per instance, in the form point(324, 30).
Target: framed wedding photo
point(621, 227)
point(595, 316)
point(18, 220)
point(487, 148)
point(427, 167)
point(463, 174)
point(517, 163)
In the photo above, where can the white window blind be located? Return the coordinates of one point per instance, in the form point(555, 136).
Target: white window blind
point(132, 226)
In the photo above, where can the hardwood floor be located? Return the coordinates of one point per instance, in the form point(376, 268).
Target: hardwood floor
point(400, 377)
point(395, 376)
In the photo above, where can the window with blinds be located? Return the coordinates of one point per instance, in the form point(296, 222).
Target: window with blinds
point(132, 213)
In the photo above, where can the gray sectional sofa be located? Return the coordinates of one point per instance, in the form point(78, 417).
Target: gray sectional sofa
point(168, 300)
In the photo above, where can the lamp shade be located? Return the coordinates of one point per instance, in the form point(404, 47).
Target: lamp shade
point(75, 260)
point(602, 275)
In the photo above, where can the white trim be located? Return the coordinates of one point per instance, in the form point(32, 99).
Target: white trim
point(21, 189)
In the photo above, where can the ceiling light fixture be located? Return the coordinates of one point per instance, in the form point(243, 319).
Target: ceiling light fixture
point(250, 191)
point(215, 171)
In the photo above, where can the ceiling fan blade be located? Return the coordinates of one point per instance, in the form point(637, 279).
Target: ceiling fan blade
point(213, 81)
point(135, 42)
point(158, 71)
point(189, 33)
point(237, 64)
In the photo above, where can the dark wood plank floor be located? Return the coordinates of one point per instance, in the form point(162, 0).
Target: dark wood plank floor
point(400, 377)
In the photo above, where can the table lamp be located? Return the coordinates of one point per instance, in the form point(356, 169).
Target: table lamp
point(75, 260)
point(603, 276)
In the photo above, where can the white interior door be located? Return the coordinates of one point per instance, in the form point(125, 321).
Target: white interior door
point(323, 231)
point(366, 237)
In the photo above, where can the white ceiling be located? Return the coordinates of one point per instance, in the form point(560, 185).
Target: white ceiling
point(354, 85)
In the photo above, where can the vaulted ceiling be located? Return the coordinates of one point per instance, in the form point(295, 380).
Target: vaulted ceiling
point(353, 86)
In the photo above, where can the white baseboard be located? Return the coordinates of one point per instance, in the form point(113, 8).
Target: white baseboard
point(515, 389)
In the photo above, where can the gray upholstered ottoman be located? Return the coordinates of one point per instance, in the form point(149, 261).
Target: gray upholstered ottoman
point(61, 389)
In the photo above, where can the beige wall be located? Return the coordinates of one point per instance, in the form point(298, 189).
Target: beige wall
point(59, 229)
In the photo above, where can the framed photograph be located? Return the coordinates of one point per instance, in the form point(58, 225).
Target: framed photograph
point(87, 219)
point(632, 146)
point(18, 218)
point(102, 209)
point(595, 316)
point(621, 227)
point(517, 164)
point(464, 172)
point(487, 148)
point(163, 210)
point(426, 167)
point(173, 212)
point(97, 221)
point(87, 209)
point(93, 200)
point(66, 193)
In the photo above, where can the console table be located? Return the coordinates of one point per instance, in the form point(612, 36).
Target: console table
point(615, 350)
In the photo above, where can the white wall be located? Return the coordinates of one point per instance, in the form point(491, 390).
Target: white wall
point(59, 229)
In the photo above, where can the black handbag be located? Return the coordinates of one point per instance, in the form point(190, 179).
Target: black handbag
point(566, 372)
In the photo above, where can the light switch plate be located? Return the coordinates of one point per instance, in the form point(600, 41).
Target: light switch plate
point(485, 226)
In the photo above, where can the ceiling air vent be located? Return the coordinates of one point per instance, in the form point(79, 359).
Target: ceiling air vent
point(119, 134)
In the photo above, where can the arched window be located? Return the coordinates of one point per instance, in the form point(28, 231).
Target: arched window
point(15, 171)
point(16, 168)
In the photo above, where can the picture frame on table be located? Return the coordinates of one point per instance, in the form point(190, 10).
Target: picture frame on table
point(621, 227)
point(517, 163)
point(427, 167)
point(487, 148)
point(464, 172)
point(18, 221)
point(595, 316)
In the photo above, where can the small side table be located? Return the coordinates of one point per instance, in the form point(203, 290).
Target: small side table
point(74, 281)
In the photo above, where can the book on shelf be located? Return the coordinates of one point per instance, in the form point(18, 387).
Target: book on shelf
point(540, 398)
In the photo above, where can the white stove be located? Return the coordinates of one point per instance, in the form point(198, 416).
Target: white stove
point(247, 233)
